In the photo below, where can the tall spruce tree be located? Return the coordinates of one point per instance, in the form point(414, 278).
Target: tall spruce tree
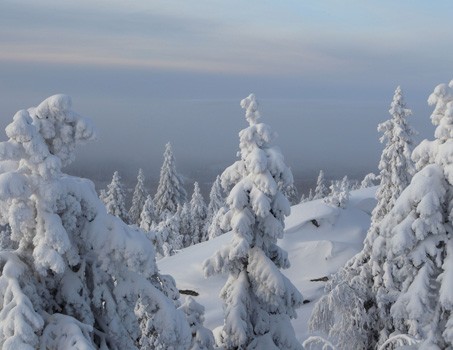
point(259, 299)
point(170, 191)
point(138, 199)
point(364, 277)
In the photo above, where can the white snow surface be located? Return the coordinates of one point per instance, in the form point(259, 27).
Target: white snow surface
point(314, 252)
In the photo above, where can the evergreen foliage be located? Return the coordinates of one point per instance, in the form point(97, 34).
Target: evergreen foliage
point(138, 199)
point(259, 299)
point(79, 278)
point(170, 191)
point(198, 214)
point(115, 198)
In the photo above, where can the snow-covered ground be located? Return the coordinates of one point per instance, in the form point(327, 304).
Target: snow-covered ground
point(314, 252)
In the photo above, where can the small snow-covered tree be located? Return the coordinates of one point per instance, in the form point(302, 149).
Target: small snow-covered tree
point(115, 198)
point(138, 199)
point(339, 193)
point(148, 215)
point(369, 180)
point(291, 194)
point(170, 191)
point(169, 231)
point(185, 225)
point(198, 214)
point(216, 202)
point(216, 199)
point(321, 190)
point(202, 338)
point(79, 278)
point(259, 299)
point(310, 195)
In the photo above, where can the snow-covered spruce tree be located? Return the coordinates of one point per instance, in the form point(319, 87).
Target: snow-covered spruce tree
point(148, 225)
point(418, 271)
point(138, 199)
point(148, 214)
point(216, 201)
point(321, 190)
point(219, 225)
point(369, 180)
point(310, 195)
point(115, 198)
point(169, 234)
point(198, 214)
point(291, 194)
point(202, 338)
point(339, 193)
point(259, 299)
point(170, 191)
point(185, 225)
point(79, 278)
point(363, 277)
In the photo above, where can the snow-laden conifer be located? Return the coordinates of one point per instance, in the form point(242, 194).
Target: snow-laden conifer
point(321, 190)
point(291, 194)
point(80, 278)
point(219, 225)
point(216, 202)
point(114, 198)
point(169, 234)
point(202, 338)
point(339, 193)
point(138, 199)
point(148, 214)
point(185, 225)
point(369, 180)
point(259, 299)
point(198, 214)
point(170, 191)
point(369, 277)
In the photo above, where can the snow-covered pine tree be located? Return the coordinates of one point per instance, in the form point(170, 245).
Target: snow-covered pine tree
point(369, 180)
point(170, 191)
point(339, 193)
point(418, 271)
point(259, 299)
point(303, 199)
point(148, 214)
point(169, 234)
point(198, 214)
point(185, 225)
point(216, 201)
point(310, 195)
point(321, 190)
point(114, 198)
point(80, 278)
point(138, 199)
point(364, 277)
point(291, 194)
point(219, 225)
point(202, 338)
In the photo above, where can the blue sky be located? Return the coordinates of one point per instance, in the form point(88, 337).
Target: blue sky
point(127, 64)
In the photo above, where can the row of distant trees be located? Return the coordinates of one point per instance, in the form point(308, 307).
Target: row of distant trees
point(178, 222)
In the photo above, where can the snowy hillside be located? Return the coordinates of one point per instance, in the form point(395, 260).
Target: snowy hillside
point(314, 252)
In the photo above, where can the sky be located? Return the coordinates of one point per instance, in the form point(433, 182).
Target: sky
point(150, 72)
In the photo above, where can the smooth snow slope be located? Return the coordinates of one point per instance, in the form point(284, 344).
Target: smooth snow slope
point(314, 252)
